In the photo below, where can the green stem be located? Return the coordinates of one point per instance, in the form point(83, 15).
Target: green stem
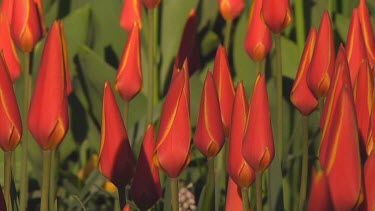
point(24, 187)
point(209, 197)
point(258, 183)
point(227, 37)
point(52, 191)
point(321, 104)
point(279, 87)
point(150, 64)
point(156, 62)
point(122, 196)
point(305, 162)
point(174, 189)
point(7, 178)
point(46, 179)
point(300, 23)
point(245, 199)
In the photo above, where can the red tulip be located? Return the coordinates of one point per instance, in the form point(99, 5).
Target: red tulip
point(238, 169)
point(234, 196)
point(341, 78)
point(258, 41)
point(185, 70)
point(224, 87)
point(343, 163)
point(277, 14)
point(26, 24)
point(363, 90)
point(127, 208)
point(367, 30)
point(7, 8)
point(131, 13)
point(355, 46)
point(258, 147)
point(11, 124)
point(10, 52)
point(151, 3)
point(115, 157)
point(301, 96)
point(231, 9)
point(48, 113)
point(145, 188)
point(129, 74)
point(189, 48)
point(319, 192)
point(323, 59)
point(209, 134)
point(172, 153)
point(369, 174)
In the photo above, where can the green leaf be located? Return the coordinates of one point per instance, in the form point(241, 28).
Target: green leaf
point(290, 57)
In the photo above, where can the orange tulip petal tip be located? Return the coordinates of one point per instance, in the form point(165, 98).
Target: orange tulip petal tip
point(131, 14)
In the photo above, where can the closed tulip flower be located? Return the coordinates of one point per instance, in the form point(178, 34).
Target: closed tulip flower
point(48, 113)
point(231, 9)
point(277, 14)
point(258, 147)
point(151, 3)
point(301, 96)
point(11, 124)
point(238, 169)
point(224, 87)
point(368, 33)
point(115, 156)
point(26, 24)
point(234, 196)
point(172, 152)
point(319, 192)
point(323, 59)
point(145, 188)
point(9, 49)
point(343, 163)
point(209, 133)
point(131, 13)
point(368, 175)
point(128, 80)
point(355, 46)
point(258, 41)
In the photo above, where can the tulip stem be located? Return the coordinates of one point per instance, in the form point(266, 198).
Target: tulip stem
point(305, 162)
point(150, 65)
point(245, 199)
point(300, 23)
point(174, 189)
point(122, 196)
point(209, 197)
point(24, 187)
point(258, 181)
point(279, 88)
point(52, 191)
point(7, 178)
point(46, 179)
point(227, 37)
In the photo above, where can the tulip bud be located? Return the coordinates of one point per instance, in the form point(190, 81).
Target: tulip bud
point(355, 46)
point(150, 4)
point(172, 152)
point(369, 183)
point(323, 59)
point(301, 96)
point(184, 69)
point(127, 208)
point(368, 34)
point(9, 50)
point(234, 196)
point(7, 8)
point(276, 14)
point(129, 75)
point(48, 113)
point(363, 89)
point(26, 24)
point(258, 147)
point(189, 48)
point(231, 9)
point(209, 133)
point(341, 78)
point(131, 13)
point(258, 41)
point(343, 163)
point(239, 171)
point(224, 87)
point(319, 192)
point(11, 124)
point(371, 129)
point(115, 156)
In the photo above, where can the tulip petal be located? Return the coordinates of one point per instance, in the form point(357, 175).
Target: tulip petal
point(234, 196)
point(231, 9)
point(131, 13)
point(369, 174)
point(319, 192)
point(367, 30)
point(277, 14)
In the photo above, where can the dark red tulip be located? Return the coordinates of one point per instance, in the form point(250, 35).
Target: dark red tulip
point(277, 14)
point(131, 14)
point(230, 9)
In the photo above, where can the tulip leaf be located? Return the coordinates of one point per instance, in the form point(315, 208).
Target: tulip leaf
point(208, 9)
point(290, 58)
point(342, 26)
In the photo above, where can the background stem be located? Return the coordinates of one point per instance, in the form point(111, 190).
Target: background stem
point(150, 65)
point(279, 87)
point(174, 189)
point(209, 197)
point(300, 23)
point(24, 187)
point(245, 199)
point(7, 178)
point(52, 191)
point(46, 179)
point(122, 196)
point(228, 29)
point(305, 162)
point(258, 183)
